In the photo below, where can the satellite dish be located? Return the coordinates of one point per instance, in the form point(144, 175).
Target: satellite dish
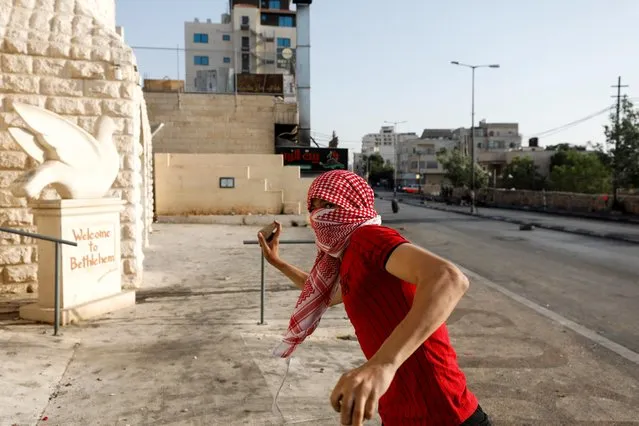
point(287, 53)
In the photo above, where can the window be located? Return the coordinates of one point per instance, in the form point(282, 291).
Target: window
point(274, 4)
point(245, 20)
point(286, 21)
point(227, 60)
point(200, 38)
point(201, 60)
point(227, 182)
point(283, 42)
point(264, 18)
point(432, 164)
point(226, 37)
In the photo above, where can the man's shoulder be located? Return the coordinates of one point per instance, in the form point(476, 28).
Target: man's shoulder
point(374, 232)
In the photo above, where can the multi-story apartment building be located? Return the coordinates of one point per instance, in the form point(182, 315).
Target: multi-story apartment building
point(384, 143)
point(490, 137)
point(256, 37)
point(418, 163)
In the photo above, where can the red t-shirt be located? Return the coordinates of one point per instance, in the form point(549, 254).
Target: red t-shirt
point(429, 388)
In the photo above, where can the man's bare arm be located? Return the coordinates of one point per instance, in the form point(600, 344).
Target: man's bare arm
point(440, 286)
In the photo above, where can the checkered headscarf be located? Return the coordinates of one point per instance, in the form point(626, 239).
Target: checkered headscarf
point(354, 203)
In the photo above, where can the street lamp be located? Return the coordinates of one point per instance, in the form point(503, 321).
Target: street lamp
point(472, 128)
point(395, 153)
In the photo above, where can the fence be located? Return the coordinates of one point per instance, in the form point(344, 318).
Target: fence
point(262, 284)
point(56, 289)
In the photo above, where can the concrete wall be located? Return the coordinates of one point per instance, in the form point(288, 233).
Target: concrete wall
point(217, 123)
point(584, 203)
point(61, 55)
point(189, 184)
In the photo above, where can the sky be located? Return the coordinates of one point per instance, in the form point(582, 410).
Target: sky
point(373, 62)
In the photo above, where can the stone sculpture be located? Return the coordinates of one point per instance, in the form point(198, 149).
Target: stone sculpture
point(76, 164)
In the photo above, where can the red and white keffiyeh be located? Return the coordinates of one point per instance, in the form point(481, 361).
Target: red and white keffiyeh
point(354, 203)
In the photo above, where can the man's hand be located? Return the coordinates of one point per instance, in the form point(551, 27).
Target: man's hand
point(357, 392)
point(271, 250)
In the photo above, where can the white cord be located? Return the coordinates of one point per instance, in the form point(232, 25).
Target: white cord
point(275, 406)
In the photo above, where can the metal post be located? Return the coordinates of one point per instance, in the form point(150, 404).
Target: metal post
point(472, 143)
point(56, 306)
point(262, 292)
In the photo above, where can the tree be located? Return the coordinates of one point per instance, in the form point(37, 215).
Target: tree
point(522, 173)
point(458, 169)
point(581, 172)
point(377, 169)
point(622, 136)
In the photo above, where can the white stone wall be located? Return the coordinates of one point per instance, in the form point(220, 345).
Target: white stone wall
point(61, 55)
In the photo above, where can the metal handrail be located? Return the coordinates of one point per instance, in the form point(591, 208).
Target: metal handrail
point(58, 242)
point(262, 285)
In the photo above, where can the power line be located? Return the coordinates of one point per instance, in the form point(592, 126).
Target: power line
point(567, 126)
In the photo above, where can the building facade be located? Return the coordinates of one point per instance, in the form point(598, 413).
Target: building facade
point(418, 163)
point(256, 37)
point(384, 142)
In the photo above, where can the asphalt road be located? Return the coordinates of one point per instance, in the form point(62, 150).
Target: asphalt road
point(591, 281)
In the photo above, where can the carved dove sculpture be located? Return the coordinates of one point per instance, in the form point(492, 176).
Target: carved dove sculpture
point(75, 163)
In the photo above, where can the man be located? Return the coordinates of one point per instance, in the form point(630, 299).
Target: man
point(396, 295)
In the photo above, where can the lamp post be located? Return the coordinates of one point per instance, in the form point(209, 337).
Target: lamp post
point(395, 153)
point(472, 128)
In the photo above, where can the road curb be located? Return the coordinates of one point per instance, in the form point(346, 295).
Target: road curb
point(577, 231)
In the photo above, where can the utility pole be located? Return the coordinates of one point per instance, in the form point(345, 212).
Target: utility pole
point(617, 133)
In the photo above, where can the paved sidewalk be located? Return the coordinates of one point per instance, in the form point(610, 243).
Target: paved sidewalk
point(619, 231)
point(190, 352)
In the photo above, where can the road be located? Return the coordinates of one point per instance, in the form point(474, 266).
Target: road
point(609, 229)
point(591, 281)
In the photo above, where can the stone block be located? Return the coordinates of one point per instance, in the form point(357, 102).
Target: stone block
point(20, 17)
point(59, 47)
point(86, 70)
point(15, 41)
point(62, 25)
point(127, 179)
point(102, 89)
point(65, 7)
point(27, 4)
point(50, 66)
point(119, 108)
point(18, 64)
point(127, 248)
point(20, 83)
point(41, 19)
point(87, 123)
point(15, 255)
point(80, 52)
point(101, 54)
point(13, 160)
point(71, 106)
point(46, 5)
point(20, 273)
point(7, 178)
point(61, 86)
point(130, 267)
point(16, 217)
point(10, 100)
point(128, 90)
point(92, 107)
point(37, 46)
point(7, 143)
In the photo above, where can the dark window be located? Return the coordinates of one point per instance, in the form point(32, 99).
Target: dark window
point(246, 44)
point(432, 164)
point(226, 37)
point(283, 42)
point(227, 182)
point(201, 60)
point(245, 20)
point(200, 38)
point(227, 60)
point(274, 4)
point(246, 63)
point(285, 21)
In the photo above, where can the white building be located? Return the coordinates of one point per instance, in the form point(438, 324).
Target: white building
point(257, 37)
point(417, 158)
point(384, 143)
point(491, 137)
